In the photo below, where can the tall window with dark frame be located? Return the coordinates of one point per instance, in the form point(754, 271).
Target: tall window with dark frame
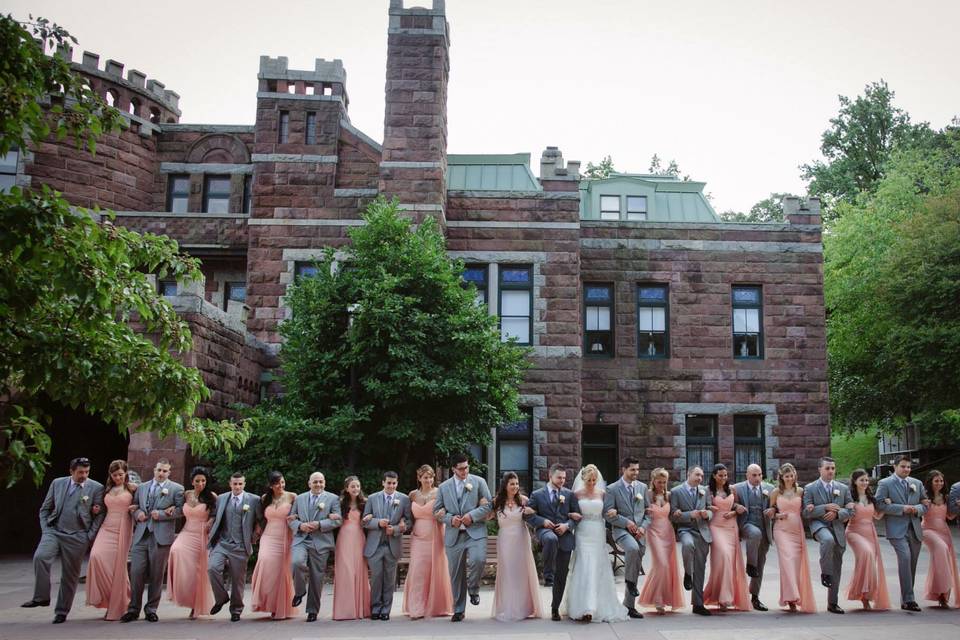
point(476, 274)
point(516, 303)
point(216, 194)
point(247, 193)
point(283, 130)
point(178, 193)
point(234, 291)
point(636, 208)
point(515, 449)
point(598, 320)
point(701, 441)
point(653, 321)
point(609, 207)
point(601, 446)
point(747, 322)
point(311, 133)
point(304, 269)
point(8, 169)
point(748, 444)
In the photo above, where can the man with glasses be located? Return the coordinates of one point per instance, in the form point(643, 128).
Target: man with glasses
point(68, 525)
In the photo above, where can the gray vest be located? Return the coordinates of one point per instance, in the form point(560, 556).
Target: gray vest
point(755, 507)
point(233, 531)
point(69, 520)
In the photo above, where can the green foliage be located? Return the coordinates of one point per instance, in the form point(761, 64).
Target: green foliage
point(416, 372)
point(770, 209)
point(672, 168)
point(599, 171)
point(857, 450)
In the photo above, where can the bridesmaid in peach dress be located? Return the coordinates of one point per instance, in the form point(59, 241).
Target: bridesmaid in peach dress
point(796, 590)
point(662, 586)
point(351, 584)
point(187, 581)
point(272, 579)
point(427, 592)
point(869, 582)
point(108, 584)
point(727, 586)
point(943, 578)
point(516, 595)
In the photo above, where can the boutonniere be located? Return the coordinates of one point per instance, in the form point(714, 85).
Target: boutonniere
point(887, 501)
point(468, 486)
point(396, 502)
point(562, 498)
point(638, 498)
point(912, 486)
point(321, 506)
point(84, 499)
point(766, 493)
point(836, 492)
point(246, 508)
point(701, 491)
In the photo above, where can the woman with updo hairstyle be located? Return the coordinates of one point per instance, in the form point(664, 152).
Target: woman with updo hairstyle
point(108, 583)
point(427, 592)
point(662, 586)
point(272, 579)
point(187, 581)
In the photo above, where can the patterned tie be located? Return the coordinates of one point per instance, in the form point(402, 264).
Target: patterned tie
point(313, 501)
point(73, 487)
point(903, 483)
point(236, 503)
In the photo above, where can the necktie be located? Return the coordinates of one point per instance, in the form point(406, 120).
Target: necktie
point(73, 487)
point(756, 491)
point(313, 501)
point(903, 483)
point(553, 496)
point(386, 500)
point(236, 502)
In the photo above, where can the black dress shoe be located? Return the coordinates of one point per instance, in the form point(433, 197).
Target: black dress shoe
point(702, 611)
point(215, 609)
point(60, 618)
point(384, 616)
point(633, 613)
point(759, 606)
point(311, 617)
point(910, 606)
point(632, 589)
point(687, 582)
point(29, 604)
point(457, 617)
point(555, 615)
point(296, 601)
point(548, 582)
point(833, 608)
point(129, 616)
point(234, 617)
point(752, 571)
point(374, 616)
point(474, 599)
point(826, 580)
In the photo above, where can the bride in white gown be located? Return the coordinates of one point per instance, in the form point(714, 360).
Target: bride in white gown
point(591, 593)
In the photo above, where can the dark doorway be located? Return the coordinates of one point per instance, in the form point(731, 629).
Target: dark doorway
point(601, 447)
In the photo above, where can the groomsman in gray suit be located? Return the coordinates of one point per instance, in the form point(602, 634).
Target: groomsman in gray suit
point(629, 497)
point(390, 511)
point(68, 525)
point(464, 501)
point(900, 498)
point(691, 517)
point(756, 527)
point(953, 501)
point(824, 506)
point(316, 513)
point(231, 543)
point(159, 506)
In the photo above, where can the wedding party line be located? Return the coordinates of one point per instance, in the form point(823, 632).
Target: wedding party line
point(723, 533)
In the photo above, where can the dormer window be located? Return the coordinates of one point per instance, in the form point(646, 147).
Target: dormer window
point(609, 207)
point(636, 207)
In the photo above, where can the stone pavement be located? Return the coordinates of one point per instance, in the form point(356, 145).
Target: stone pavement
point(16, 585)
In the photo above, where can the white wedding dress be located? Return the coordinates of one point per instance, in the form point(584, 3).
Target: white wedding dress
point(590, 587)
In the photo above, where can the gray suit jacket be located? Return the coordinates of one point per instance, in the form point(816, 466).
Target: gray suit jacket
point(248, 519)
point(954, 499)
point(164, 529)
point(399, 509)
point(57, 494)
point(680, 500)
point(322, 538)
point(816, 494)
point(469, 503)
point(635, 510)
point(742, 491)
point(896, 522)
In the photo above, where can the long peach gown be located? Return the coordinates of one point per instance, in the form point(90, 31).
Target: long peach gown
point(108, 584)
point(427, 592)
point(351, 585)
point(728, 579)
point(187, 581)
point(943, 576)
point(795, 585)
point(516, 595)
point(272, 579)
point(869, 580)
point(662, 586)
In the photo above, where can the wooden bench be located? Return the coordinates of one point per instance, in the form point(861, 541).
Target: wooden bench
point(404, 563)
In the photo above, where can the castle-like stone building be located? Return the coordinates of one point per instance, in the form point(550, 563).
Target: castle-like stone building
point(657, 329)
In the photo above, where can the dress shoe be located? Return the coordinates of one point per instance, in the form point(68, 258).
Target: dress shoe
point(151, 617)
point(587, 618)
point(632, 589)
point(234, 617)
point(910, 606)
point(687, 582)
point(701, 611)
point(29, 604)
point(826, 580)
point(759, 606)
point(311, 617)
point(215, 609)
point(474, 599)
point(60, 618)
point(297, 599)
point(548, 582)
point(633, 613)
point(833, 608)
point(129, 616)
point(752, 571)
point(555, 615)
point(384, 616)
point(457, 617)
point(374, 616)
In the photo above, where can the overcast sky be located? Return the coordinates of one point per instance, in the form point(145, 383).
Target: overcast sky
point(737, 92)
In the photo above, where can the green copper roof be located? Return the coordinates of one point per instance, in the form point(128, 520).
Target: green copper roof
point(666, 199)
point(495, 172)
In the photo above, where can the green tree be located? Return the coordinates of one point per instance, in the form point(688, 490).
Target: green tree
point(672, 169)
point(599, 171)
point(71, 283)
point(388, 362)
point(770, 209)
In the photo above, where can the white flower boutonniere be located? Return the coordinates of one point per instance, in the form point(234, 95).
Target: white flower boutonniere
point(164, 491)
point(246, 508)
point(562, 498)
point(836, 492)
point(396, 502)
point(468, 486)
point(913, 487)
point(321, 506)
point(887, 501)
point(766, 493)
point(84, 499)
point(701, 491)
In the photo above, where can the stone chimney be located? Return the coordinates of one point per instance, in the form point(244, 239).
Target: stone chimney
point(802, 211)
point(557, 176)
point(414, 163)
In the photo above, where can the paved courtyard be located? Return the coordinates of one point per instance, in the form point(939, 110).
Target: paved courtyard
point(16, 580)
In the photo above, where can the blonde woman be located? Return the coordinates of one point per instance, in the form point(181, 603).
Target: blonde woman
point(786, 502)
point(662, 586)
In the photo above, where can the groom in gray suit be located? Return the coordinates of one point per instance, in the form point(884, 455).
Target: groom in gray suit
point(68, 525)
point(756, 527)
point(691, 517)
point(316, 513)
point(390, 511)
point(231, 543)
point(464, 501)
point(824, 506)
point(159, 506)
point(629, 497)
point(900, 497)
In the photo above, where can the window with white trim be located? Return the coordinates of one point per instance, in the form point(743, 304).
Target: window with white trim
point(609, 207)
